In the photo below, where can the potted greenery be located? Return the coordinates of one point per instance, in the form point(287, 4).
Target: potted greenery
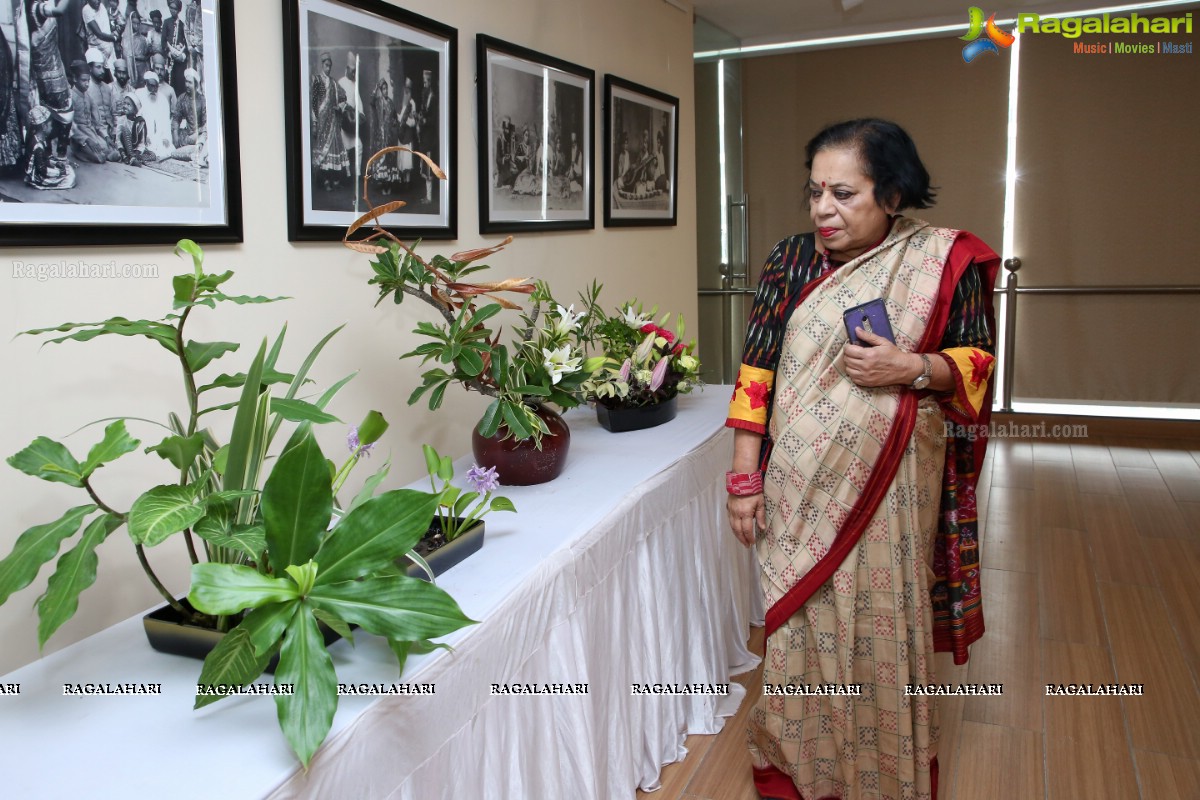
point(646, 367)
point(543, 365)
point(272, 555)
point(457, 529)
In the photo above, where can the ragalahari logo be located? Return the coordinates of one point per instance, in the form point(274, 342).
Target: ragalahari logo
point(996, 38)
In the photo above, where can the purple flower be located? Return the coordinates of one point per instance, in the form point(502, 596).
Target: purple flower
point(353, 444)
point(625, 370)
point(483, 480)
point(659, 374)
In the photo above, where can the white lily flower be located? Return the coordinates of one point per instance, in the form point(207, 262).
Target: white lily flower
point(559, 362)
point(633, 319)
point(567, 320)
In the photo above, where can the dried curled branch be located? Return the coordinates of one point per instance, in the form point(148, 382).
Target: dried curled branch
point(445, 294)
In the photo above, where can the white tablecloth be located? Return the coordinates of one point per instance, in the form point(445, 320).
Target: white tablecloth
point(621, 571)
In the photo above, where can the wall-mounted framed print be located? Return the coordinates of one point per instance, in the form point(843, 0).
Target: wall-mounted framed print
point(130, 137)
point(536, 152)
point(641, 140)
point(362, 75)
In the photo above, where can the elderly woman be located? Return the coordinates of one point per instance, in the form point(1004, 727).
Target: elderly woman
point(861, 507)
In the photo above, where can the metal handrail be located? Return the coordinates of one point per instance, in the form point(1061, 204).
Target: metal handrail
point(719, 292)
point(1111, 289)
point(1010, 291)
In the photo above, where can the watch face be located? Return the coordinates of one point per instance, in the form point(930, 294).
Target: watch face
point(921, 382)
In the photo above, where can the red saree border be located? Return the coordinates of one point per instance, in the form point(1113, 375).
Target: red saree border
point(770, 781)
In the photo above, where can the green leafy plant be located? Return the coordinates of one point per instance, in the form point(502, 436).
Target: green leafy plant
point(545, 362)
point(458, 510)
point(341, 576)
point(235, 520)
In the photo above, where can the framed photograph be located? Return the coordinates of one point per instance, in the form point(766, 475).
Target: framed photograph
point(362, 75)
point(641, 139)
point(118, 123)
point(535, 141)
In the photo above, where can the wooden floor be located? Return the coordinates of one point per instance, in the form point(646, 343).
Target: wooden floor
point(1091, 556)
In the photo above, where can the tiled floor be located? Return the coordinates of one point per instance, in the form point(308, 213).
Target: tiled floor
point(1091, 555)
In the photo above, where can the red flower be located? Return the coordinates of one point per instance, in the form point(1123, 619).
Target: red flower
point(979, 364)
point(649, 327)
point(670, 337)
point(678, 349)
point(757, 392)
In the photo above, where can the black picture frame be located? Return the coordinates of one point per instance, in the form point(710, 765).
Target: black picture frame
point(391, 46)
point(91, 193)
point(536, 151)
point(639, 189)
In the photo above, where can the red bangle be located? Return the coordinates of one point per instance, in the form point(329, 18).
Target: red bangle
point(743, 483)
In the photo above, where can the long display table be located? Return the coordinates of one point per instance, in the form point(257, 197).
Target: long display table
point(609, 607)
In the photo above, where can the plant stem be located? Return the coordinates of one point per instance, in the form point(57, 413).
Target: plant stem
point(189, 378)
point(105, 507)
point(431, 300)
point(191, 546)
point(175, 604)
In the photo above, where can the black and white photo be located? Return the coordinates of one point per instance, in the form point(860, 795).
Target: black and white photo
point(641, 137)
point(118, 110)
point(535, 140)
point(363, 75)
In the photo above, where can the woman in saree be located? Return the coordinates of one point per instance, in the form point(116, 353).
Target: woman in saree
point(860, 505)
point(326, 102)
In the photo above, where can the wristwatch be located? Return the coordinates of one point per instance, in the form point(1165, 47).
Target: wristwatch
point(926, 375)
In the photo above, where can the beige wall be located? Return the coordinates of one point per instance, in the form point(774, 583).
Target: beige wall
point(1107, 195)
point(955, 112)
point(56, 389)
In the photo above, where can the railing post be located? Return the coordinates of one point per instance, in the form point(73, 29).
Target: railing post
point(1010, 332)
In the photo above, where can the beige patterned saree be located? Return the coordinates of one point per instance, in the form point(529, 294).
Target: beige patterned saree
point(852, 496)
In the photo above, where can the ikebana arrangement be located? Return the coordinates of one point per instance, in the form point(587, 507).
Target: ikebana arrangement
point(546, 364)
point(274, 555)
point(646, 367)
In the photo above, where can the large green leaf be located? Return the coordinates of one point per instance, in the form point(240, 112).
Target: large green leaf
point(300, 411)
point(200, 354)
point(266, 624)
point(47, 459)
point(162, 511)
point(35, 547)
point(232, 662)
point(303, 428)
point(245, 299)
point(230, 588)
point(306, 715)
point(369, 487)
point(160, 332)
point(116, 443)
point(370, 536)
point(297, 503)
point(76, 571)
point(185, 289)
point(267, 378)
point(217, 528)
point(246, 436)
point(181, 451)
point(402, 649)
point(396, 607)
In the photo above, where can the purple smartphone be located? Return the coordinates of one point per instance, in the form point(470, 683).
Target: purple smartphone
point(871, 316)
